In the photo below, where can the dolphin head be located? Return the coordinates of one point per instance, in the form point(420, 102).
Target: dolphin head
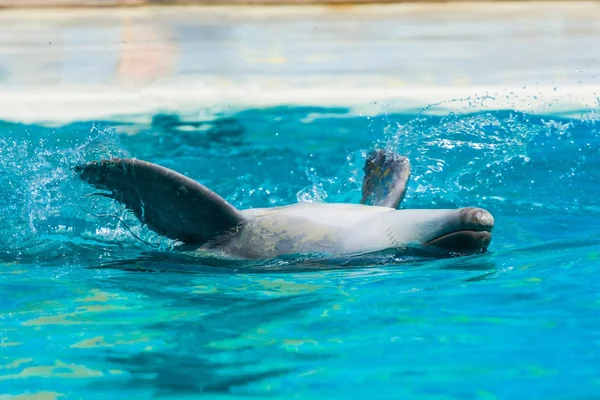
point(462, 231)
point(465, 231)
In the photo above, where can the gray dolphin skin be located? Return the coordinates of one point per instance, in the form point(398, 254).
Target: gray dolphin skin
point(180, 208)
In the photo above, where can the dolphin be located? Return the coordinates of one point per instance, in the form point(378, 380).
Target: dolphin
point(182, 209)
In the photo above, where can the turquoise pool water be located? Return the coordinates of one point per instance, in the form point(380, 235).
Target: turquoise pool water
point(88, 311)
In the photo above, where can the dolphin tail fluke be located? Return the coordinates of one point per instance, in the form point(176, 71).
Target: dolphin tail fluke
point(386, 177)
point(169, 203)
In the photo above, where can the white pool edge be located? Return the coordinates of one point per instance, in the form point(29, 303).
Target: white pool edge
point(61, 105)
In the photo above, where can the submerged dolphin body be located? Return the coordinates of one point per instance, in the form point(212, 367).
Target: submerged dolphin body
point(180, 208)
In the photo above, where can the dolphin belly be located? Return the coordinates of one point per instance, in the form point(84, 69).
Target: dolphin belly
point(342, 229)
point(298, 228)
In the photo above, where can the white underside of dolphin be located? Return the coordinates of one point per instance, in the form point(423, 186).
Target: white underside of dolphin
point(182, 209)
point(337, 229)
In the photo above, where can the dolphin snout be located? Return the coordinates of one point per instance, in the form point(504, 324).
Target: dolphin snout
point(471, 233)
point(475, 218)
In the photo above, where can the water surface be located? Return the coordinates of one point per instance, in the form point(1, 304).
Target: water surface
point(89, 311)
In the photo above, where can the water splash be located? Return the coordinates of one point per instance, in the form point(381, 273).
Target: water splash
point(40, 193)
point(503, 160)
point(497, 159)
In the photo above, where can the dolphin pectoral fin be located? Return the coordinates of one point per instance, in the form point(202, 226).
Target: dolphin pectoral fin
point(386, 177)
point(169, 203)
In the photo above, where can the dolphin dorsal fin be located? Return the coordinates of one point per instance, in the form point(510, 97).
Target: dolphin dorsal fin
point(169, 203)
point(386, 177)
